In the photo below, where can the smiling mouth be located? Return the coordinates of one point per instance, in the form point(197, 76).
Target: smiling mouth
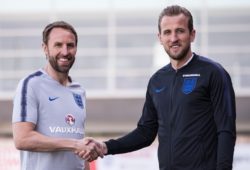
point(175, 45)
point(64, 61)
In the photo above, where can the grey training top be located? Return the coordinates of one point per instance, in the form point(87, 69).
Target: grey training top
point(57, 111)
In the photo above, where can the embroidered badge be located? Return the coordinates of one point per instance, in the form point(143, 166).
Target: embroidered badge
point(189, 85)
point(78, 100)
point(69, 119)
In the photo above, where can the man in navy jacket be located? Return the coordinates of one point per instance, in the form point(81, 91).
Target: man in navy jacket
point(190, 105)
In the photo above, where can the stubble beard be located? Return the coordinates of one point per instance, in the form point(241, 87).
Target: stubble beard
point(179, 56)
point(57, 67)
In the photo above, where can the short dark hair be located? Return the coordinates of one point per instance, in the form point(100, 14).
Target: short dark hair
point(173, 11)
point(58, 24)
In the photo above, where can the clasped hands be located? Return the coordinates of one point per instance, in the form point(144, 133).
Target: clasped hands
point(89, 149)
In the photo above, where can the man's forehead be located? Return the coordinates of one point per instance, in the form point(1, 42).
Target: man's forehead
point(175, 19)
point(60, 34)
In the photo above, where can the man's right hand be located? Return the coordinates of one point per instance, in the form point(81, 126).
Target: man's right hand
point(90, 149)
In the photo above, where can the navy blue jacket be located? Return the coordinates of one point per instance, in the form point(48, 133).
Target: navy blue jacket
point(193, 112)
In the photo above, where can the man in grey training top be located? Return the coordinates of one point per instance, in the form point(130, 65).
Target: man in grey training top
point(49, 108)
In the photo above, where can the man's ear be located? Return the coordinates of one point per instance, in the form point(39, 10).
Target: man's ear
point(193, 33)
point(159, 37)
point(45, 49)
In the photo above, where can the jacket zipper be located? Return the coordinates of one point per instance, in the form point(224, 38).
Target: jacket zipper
point(171, 123)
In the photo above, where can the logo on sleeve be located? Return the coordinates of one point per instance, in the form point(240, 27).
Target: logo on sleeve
point(78, 100)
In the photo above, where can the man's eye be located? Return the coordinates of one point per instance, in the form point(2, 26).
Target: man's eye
point(71, 45)
point(180, 30)
point(166, 32)
point(58, 45)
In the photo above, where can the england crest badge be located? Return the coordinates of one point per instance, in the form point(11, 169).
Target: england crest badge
point(78, 100)
point(189, 84)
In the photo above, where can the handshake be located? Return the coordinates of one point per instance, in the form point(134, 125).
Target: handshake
point(90, 149)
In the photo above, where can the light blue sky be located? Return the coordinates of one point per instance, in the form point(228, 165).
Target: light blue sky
point(78, 5)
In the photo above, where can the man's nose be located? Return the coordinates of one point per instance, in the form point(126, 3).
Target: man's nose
point(64, 50)
point(174, 37)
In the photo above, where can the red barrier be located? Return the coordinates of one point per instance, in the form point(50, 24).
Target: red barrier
point(93, 165)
